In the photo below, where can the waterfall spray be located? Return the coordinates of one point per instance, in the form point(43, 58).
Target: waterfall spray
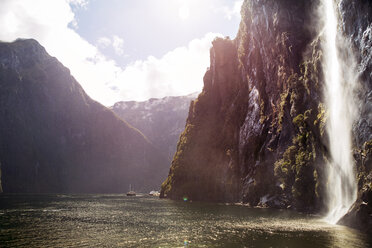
point(340, 80)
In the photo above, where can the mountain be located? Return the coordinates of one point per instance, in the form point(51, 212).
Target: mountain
point(256, 133)
point(54, 138)
point(160, 120)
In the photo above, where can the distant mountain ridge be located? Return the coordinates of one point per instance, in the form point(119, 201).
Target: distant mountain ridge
point(55, 138)
point(161, 120)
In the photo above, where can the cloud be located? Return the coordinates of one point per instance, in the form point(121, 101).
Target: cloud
point(231, 11)
point(116, 42)
point(178, 72)
point(78, 3)
point(103, 42)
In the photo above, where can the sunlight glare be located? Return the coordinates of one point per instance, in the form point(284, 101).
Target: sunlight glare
point(184, 12)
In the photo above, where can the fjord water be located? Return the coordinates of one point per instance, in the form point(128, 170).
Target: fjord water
point(120, 221)
point(340, 80)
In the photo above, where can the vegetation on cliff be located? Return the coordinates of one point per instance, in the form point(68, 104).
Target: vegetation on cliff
point(243, 121)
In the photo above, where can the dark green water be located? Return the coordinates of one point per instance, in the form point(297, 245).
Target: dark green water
point(120, 221)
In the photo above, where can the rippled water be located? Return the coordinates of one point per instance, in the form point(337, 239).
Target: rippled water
point(120, 221)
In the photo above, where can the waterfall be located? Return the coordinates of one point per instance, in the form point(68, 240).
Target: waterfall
point(340, 76)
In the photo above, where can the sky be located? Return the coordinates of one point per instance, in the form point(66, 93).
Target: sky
point(121, 50)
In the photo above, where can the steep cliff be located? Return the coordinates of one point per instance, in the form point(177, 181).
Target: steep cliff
point(54, 138)
point(357, 25)
point(259, 100)
point(256, 133)
point(160, 120)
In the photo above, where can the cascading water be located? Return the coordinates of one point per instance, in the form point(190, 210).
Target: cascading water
point(340, 80)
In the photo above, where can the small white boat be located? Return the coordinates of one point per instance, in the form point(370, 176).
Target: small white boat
point(154, 193)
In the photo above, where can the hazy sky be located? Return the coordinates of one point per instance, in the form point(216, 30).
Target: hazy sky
point(125, 49)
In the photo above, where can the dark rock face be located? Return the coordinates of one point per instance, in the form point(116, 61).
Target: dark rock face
point(54, 138)
point(357, 25)
point(160, 120)
point(256, 133)
point(1, 188)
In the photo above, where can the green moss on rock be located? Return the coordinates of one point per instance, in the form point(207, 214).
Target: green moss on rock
point(297, 170)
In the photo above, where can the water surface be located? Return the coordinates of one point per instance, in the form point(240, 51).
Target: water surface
point(120, 221)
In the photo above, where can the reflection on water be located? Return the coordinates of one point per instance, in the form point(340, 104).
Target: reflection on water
point(120, 221)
